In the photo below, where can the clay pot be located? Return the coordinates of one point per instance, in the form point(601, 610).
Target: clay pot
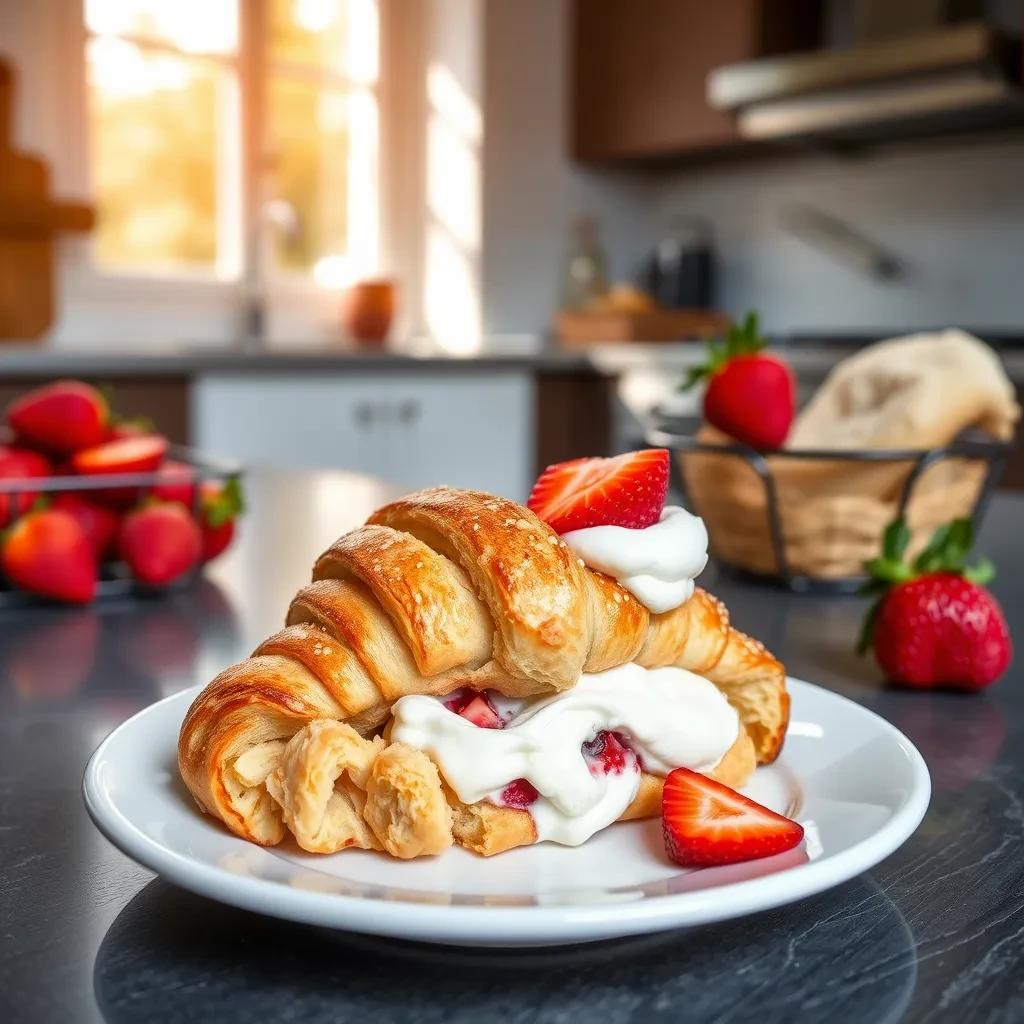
point(367, 309)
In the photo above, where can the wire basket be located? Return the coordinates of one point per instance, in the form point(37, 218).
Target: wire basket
point(115, 580)
point(810, 518)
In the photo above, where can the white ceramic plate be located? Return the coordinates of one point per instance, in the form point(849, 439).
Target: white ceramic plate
point(858, 786)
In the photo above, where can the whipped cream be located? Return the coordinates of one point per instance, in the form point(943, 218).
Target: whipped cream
point(656, 564)
point(669, 716)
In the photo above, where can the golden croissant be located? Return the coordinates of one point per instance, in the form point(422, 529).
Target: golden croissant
point(442, 591)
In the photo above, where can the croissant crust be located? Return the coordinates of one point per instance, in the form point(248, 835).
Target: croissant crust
point(441, 590)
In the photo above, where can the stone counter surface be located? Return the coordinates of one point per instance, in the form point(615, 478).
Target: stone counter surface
point(934, 933)
point(32, 361)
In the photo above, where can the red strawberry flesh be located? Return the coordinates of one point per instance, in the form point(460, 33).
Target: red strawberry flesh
point(706, 823)
point(626, 490)
point(127, 455)
point(519, 793)
point(608, 754)
point(480, 711)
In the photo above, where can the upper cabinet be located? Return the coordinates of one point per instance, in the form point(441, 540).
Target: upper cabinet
point(640, 70)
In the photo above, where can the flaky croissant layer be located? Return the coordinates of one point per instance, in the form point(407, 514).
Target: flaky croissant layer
point(441, 590)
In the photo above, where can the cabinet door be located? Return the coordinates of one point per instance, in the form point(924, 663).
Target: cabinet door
point(467, 429)
point(473, 430)
point(639, 69)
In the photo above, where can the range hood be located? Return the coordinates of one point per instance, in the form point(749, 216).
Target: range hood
point(958, 78)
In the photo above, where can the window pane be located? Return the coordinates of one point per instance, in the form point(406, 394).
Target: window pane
point(153, 131)
point(308, 32)
point(195, 26)
point(309, 184)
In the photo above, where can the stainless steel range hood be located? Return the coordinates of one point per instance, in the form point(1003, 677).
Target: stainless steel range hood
point(958, 78)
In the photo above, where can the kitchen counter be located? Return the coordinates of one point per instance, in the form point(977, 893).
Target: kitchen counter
point(811, 358)
point(934, 933)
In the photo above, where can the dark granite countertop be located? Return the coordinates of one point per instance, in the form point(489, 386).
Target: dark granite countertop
point(934, 933)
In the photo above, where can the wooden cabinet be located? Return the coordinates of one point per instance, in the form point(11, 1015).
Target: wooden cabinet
point(466, 429)
point(639, 69)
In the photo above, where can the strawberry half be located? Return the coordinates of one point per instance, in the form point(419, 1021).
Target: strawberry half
point(127, 455)
point(706, 823)
point(626, 490)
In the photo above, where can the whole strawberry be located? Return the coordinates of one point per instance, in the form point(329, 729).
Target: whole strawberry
point(62, 417)
point(19, 464)
point(160, 543)
point(48, 553)
point(750, 395)
point(935, 623)
point(220, 504)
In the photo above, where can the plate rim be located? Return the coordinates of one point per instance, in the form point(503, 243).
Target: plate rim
point(537, 924)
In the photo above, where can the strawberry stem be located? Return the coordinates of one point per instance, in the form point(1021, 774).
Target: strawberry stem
point(741, 339)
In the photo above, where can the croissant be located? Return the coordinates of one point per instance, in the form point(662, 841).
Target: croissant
point(441, 590)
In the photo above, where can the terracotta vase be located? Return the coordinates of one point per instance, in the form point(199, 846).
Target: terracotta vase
point(367, 309)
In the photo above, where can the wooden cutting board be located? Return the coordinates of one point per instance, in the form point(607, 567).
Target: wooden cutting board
point(29, 219)
point(580, 329)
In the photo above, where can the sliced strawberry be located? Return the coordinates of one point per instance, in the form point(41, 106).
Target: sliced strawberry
point(706, 823)
point(627, 490)
point(606, 754)
point(519, 793)
point(480, 711)
point(458, 699)
point(127, 455)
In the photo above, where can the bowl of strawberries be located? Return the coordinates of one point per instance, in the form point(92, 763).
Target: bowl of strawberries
point(94, 506)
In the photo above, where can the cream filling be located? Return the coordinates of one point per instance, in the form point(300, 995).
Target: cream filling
point(670, 717)
point(657, 564)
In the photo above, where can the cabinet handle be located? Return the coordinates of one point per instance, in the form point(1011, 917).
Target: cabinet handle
point(409, 411)
point(363, 414)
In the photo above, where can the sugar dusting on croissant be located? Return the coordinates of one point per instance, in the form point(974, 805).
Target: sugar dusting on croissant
point(441, 590)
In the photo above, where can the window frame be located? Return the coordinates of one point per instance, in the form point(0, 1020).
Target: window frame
point(277, 304)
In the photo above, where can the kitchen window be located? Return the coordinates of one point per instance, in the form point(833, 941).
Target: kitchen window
point(233, 141)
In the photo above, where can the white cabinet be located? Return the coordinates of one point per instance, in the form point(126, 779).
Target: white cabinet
point(468, 428)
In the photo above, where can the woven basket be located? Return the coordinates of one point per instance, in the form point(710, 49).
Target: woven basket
point(816, 516)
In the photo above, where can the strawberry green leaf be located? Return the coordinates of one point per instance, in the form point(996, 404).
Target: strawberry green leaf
point(982, 572)
point(895, 540)
point(947, 549)
point(225, 505)
point(867, 629)
point(740, 339)
point(889, 570)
